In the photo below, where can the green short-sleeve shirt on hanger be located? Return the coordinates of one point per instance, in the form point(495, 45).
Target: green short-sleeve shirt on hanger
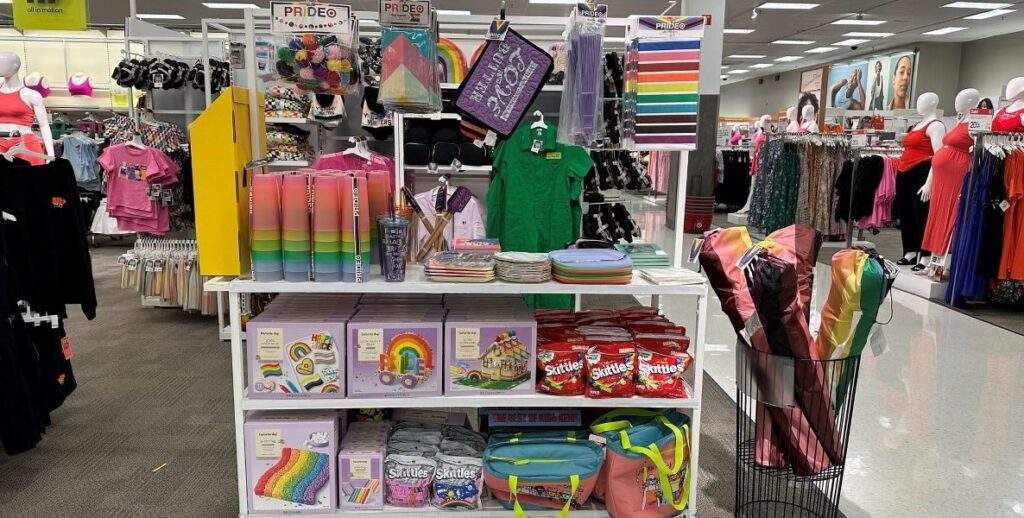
point(533, 203)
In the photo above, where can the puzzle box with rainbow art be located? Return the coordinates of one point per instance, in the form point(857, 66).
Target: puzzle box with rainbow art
point(296, 356)
point(395, 351)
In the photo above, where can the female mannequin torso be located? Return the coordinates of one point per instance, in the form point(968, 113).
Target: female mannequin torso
point(20, 106)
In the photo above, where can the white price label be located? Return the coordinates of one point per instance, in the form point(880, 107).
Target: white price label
point(370, 343)
point(268, 443)
point(359, 469)
point(979, 120)
point(467, 343)
point(859, 140)
point(270, 344)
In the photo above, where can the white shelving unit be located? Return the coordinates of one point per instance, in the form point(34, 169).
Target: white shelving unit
point(416, 282)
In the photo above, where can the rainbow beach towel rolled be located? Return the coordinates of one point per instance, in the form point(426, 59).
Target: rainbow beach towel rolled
point(296, 477)
point(265, 221)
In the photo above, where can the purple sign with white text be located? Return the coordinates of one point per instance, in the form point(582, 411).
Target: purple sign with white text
point(504, 83)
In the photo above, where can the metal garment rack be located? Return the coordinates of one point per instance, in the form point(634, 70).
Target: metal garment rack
point(237, 289)
point(860, 151)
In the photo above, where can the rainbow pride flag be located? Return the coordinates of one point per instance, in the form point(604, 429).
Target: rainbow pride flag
point(297, 477)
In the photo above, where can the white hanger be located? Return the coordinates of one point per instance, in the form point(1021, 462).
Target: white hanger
point(136, 142)
point(540, 122)
point(20, 149)
point(360, 150)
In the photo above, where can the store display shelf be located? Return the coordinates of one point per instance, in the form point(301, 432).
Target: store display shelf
point(546, 88)
point(479, 401)
point(289, 163)
point(417, 282)
point(422, 169)
point(299, 120)
point(433, 116)
point(491, 509)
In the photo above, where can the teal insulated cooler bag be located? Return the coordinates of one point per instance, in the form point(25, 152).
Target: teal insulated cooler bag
point(547, 471)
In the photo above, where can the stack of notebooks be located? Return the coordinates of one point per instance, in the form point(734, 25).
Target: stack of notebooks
point(645, 254)
point(522, 267)
point(591, 266)
point(460, 267)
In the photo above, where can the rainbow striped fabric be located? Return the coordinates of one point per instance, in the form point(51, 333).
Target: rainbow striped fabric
point(661, 97)
point(297, 477)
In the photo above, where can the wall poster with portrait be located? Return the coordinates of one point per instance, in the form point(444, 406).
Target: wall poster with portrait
point(881, 82)
point(812, 84)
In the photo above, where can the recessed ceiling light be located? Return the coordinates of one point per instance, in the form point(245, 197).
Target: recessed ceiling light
point(160, 16)
point(747, 56)
point(869, 34)
point(787, 59)
point(820, 50)
point(792, 42)
point(989, 14)
point(229, 5)
point(737, 31)
point(850, 42)
point(453, 12)
point(977, 5)
point(761, 65)
point(944, 30)
point(739, 71)
point(855, 21)
point(787, 6)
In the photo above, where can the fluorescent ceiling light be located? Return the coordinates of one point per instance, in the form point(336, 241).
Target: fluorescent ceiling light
point(989, 14)
point(977, 5)
point(229, 5)
point(737, 31)
point(850, 42)
point(739, 71)
point(787, 59)
point(944, 30)
point(855, 21)
point(787, 6)
point(761, 65)
point(747, 56)
point(792, 42)
point(160, 16)
point(869, 34)
point(6, 1)
point(820, 50)
point(453, 12)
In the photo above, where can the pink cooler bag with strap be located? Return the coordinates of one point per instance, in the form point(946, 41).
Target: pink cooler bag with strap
point(646, 470)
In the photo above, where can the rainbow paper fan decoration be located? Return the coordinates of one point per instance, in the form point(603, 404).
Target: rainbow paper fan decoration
point(452, 61)
point(297, 477)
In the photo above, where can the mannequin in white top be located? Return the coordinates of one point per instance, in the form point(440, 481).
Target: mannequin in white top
point(10, 65)
point(762, 127)
point(794, 121)
point(965, 100)
point(810, 120)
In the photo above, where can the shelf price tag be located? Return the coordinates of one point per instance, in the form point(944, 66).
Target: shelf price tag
point(979, 120)
point(269, 443)
point(405, 13)
point(270, 344)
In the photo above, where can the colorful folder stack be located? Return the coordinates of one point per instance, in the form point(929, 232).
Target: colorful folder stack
point(355, 229)
point(591, 266)
point(265, 218)
point(295, 221)
point(661, 84)
point(326, 228)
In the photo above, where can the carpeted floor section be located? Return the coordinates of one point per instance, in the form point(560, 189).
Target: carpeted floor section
point(149, 432)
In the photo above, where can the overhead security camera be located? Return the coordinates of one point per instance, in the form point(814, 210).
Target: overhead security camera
point(854, 47)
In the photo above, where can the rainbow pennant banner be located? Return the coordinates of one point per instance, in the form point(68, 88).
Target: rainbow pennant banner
point(661, 98)
point(265, 221)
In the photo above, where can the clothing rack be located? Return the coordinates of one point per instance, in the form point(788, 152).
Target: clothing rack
point(984, 142)
point(859, 152)
point(165, 273)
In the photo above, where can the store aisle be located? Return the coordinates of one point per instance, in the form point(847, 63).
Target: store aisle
point(937, 424)
point(148, 432)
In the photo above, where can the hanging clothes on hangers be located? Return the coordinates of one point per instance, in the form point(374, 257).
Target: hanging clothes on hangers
point(136, 180)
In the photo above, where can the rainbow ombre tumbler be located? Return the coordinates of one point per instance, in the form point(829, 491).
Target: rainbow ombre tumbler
point(327, 228)
point(265, 221)
point(295, 222)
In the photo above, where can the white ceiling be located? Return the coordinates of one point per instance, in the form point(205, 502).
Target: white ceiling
point(908, 19)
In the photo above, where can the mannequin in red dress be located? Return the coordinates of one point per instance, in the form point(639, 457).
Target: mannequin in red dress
point(949, 166)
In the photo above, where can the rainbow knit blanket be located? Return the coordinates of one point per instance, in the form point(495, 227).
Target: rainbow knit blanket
point(297, 477)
